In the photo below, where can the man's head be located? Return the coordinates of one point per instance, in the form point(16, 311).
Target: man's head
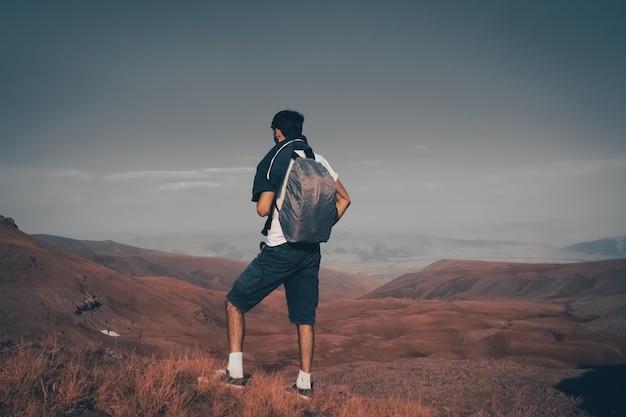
point(289, 122)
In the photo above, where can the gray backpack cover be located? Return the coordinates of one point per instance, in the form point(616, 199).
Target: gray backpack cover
point(307, 205)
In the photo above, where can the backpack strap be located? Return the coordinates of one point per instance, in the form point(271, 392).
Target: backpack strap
point(287, 143)
point(308, 152)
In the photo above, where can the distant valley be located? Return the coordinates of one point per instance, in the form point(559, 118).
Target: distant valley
point(386, 256)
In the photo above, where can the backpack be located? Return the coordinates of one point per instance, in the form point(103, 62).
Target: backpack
point(307, 203)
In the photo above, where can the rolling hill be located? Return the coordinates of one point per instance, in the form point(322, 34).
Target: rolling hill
point(529, 313)
point(607, 248)
point(593, 290)
point(46, 291)
point(214, 273)
point(477, 329)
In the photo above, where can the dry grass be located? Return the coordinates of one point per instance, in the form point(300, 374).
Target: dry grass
point(45, 379)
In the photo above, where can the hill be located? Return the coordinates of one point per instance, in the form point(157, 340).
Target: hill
point(607, 248)
point(496, 334)
point(214, 273)
point(47, 291)
point(594, 290)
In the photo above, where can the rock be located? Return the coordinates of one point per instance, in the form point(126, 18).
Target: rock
point(7, 221)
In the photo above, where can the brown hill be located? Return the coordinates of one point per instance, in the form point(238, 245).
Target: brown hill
point(540, 333)
point(589, 289)
point(214, 273)
point(47, 290)
point(460, 356)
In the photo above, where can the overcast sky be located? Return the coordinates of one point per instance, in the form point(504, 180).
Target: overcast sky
point(476, 119)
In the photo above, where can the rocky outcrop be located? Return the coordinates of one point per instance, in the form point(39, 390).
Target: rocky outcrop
point(7, 221)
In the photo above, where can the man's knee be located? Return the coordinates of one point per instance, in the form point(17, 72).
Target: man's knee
point(305, 329)
point(231, 308)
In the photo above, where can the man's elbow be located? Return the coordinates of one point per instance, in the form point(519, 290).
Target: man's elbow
point(262, 211)
point(265, 203)
point(342, 206)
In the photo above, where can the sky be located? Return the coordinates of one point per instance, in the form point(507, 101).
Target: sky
point(470, 119)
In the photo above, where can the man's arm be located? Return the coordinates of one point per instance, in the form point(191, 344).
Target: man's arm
point(343, 199)
point(264, 205)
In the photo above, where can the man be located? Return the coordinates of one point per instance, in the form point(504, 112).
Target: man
point(293, 265)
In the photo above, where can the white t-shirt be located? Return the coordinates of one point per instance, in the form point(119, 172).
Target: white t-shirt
point(275, 235)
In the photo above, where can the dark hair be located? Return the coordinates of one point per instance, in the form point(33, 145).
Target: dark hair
point(289, 122)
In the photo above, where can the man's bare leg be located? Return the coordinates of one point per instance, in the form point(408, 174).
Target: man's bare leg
point(235, 328)
point(306, 344)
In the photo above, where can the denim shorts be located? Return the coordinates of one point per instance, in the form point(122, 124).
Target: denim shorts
point(296, 266)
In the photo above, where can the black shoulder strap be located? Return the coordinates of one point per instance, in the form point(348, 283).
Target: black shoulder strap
point(308, 152)
point(283, 146)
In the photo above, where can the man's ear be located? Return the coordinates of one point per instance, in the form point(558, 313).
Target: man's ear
point(279, 135)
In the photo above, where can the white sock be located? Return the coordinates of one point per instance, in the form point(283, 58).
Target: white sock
point(304, 380)
point(235, 364)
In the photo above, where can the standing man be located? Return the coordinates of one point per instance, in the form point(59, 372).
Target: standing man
point(294, 265)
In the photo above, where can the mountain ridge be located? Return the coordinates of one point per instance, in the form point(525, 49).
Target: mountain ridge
point(610, 247)
point(590, 289)
point(214, 273)
point(45, 289)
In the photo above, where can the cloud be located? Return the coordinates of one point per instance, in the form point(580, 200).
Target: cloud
point(177, 181)
point(421, 148)
point(22, 174)
point(165, 175)
point(188, 185)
